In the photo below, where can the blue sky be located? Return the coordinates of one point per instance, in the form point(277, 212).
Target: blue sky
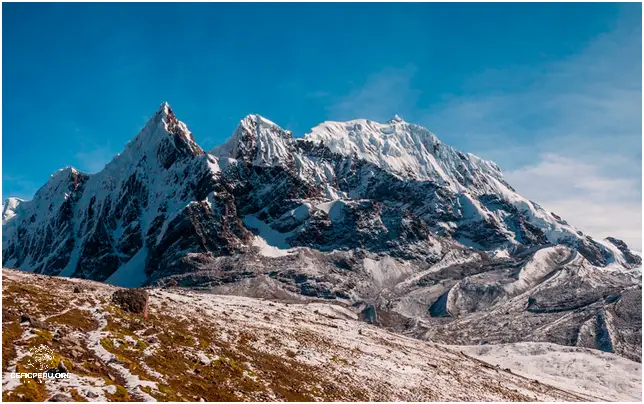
point(551, 92)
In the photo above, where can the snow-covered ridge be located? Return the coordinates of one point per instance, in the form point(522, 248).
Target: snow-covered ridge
point(258, 139)
point(406, 149)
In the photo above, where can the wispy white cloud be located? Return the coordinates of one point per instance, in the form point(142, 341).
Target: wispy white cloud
point(20, 187)
point(382, 95)
point(598, 202)
point(93, 160)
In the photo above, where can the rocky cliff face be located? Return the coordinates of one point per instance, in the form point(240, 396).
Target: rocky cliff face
point(380, 216)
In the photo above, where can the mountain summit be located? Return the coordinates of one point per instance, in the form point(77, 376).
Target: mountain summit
point(382, 216)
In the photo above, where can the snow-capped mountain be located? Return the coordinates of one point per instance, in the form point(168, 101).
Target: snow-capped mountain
point(381, 216)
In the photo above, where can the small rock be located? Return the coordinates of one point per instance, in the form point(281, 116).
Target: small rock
point(62, 368)
point(60, 398)
point(24, 318)
point(78, 348)
point(77, 289)
point(91, 394)
point(70, 340)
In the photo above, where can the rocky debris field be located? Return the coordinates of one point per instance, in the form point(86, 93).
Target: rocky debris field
point(190, 346)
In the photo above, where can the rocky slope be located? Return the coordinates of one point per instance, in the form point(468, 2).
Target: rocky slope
point(408, 232)
point(195, 346)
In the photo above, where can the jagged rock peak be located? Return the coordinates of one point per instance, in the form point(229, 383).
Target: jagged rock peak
point(257, 123)
point(160, 128)
point(160, 116)
point(164, 118)
point(258, 141)
point(67, 177)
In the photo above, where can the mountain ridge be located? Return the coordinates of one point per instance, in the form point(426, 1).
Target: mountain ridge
point(263, 143)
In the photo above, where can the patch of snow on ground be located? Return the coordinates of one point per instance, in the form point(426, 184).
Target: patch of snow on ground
point(501, 254)
point(387, 271)
point(587, 371)
point(335, 210)
point(271, 237)
point(268, 250)
point(299, 213)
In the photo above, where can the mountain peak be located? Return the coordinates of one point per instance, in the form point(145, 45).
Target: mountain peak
point(258, 120)
point(396, 119)
point(258, 140)
point(164, 107)
point(163, 114)
point(165, 122)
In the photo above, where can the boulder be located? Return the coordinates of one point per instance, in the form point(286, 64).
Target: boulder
point(132, 300)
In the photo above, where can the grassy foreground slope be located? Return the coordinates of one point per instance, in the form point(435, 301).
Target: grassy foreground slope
point(196, 347)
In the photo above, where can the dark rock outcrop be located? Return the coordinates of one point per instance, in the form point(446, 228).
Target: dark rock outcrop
point(132, 300)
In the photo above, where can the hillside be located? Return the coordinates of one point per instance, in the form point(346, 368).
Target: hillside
point(195, 346)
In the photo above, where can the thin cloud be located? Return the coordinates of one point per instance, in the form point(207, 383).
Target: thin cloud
point(20, 187)
point(381, 96)
point(94, 160)
point(584, 195)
